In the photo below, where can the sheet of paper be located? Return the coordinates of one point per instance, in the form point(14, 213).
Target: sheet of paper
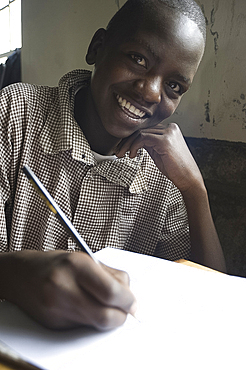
point(189, 319)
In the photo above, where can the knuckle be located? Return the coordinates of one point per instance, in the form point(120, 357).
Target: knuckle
point(173, 125)
point(54, 284)
point(173, 128)
point(123, 277)
point(104, 320)
point(109, 319)
point(141, 135)
point(69, 259)
point(49, 293)
point(111, 292)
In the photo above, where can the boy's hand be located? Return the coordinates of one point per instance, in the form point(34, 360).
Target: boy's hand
point(166, 145)
point(64, 290)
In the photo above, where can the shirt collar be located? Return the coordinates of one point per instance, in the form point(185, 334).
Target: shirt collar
point(61, 133)
point(125, 171)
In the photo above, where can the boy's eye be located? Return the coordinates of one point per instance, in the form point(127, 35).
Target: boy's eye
point(175, 87)
point(138, 59)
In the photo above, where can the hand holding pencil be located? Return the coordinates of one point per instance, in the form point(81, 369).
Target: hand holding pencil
point(64, 290)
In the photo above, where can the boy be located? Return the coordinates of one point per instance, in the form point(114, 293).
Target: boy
point(124, 178)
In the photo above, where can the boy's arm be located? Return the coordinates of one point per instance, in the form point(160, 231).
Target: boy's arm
point(167, 147)
point(205, 245)
point(64, 290)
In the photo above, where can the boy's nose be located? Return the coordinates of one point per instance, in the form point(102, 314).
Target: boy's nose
point(150, 89)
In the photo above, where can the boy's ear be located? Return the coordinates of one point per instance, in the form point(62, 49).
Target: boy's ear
point(96, 43)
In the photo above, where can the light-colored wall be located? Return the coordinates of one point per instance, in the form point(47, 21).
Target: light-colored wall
point(215, 107)
point(56, 35)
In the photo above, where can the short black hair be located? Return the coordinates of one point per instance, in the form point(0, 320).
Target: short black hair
point(130, 13)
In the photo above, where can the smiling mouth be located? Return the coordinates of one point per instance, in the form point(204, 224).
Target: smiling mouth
point(130, 108)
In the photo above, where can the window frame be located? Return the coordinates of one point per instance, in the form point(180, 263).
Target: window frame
point(4, 56)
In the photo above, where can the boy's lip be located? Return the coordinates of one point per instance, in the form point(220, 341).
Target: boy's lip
point(133, 108)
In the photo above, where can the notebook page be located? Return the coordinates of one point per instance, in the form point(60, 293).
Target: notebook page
point(188, 318)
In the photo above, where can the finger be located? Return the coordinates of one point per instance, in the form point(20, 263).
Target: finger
point(99, 316)
point(132, 146)
point(70, 306)
point(120, 275)
point(124, 279)
point(125, 144)
point(136, 141)
point(99, 283)
point(146, 140)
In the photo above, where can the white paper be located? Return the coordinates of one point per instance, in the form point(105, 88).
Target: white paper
point(189, 319)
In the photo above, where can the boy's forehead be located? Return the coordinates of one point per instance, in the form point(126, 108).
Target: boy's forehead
point(166, 30)
point(160, 22)
point(136, 21)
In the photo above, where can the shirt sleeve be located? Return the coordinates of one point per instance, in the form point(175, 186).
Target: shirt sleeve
point(175, 239)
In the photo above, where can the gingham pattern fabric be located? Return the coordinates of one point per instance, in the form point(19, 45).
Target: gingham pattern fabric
point(125, 203)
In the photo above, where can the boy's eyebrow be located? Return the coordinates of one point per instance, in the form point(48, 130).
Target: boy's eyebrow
point(145, 44)
point(148, 47)
point(179, 76)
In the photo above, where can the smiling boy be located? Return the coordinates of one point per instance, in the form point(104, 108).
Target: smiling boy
point(125, 178)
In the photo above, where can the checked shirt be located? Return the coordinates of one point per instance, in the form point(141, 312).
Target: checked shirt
point(123, 203)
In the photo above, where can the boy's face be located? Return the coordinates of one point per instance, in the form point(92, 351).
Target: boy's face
point(138, 82)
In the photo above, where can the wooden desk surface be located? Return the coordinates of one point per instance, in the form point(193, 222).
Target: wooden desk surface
point(196, 265)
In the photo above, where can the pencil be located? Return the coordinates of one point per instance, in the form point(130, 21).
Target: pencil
point(53, 206)
point(11, 360)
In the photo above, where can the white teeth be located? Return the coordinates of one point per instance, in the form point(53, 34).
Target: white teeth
point(126, 104)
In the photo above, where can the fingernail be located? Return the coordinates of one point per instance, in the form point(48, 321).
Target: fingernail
point(133, 308)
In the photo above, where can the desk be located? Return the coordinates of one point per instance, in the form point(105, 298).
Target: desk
point(196, 265)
